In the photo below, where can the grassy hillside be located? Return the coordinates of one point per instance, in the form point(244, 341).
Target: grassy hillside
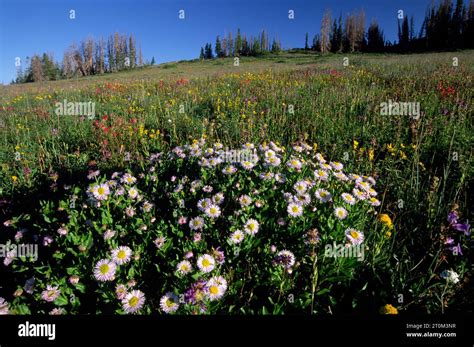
point(284, 61)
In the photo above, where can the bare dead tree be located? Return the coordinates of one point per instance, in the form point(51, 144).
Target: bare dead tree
point(36, 68)
point(325, 31)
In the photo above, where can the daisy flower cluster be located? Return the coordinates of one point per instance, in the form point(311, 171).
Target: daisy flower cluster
point(200, 231)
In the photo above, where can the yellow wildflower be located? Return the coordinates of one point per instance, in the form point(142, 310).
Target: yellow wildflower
point(390, 148)
point(371, 154)
point(388, 309)
point(355, 144)
point(14, 179)
point(386, 220)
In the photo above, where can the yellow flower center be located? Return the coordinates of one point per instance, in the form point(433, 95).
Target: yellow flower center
point(206, 262)
point(169, 302)
point(354, 234)
point(104, 269)
point(51, 293)
point(121, 254)
point(214, 290)
point(133, 301)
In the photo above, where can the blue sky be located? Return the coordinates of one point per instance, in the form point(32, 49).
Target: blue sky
point(36, 26)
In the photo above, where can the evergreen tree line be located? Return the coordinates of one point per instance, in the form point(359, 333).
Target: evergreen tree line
point(90, 57)
point(228, 46)
point(446, 26)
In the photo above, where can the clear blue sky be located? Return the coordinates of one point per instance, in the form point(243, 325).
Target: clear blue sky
point(36, 26)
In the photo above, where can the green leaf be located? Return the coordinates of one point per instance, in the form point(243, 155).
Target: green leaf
point(61, 301)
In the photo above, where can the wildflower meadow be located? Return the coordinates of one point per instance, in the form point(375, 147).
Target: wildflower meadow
point(272, 192)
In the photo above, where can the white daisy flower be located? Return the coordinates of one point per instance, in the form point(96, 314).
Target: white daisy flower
point(213, 211)
point(133, 301)
point(196, 223)
point(325, 166)
point(359, 194)
point(147, 206)
point(109, 234)
point(298, 148)
point(280, 178)
point(270, 153)
point(320, 158)
point(203, 204)
point(247, 165)
point(159, 241)
point(218, 198)
point(341, 176)
point(354, 236)
point(294, 163)
point(251, 227)
point(273, 161)
point(323, 195)
point(121, 291)
point(169, 303)
point(336, 165)
point(101, 191)
point(275, 147)
point(295, 210)
point(206, 263)
point(374, 202)
point(133, 192)
point(130, 211)
point(321, 175)
point(121, 255)
point(266, 176)
point(248, 145)
point(372, 192)
point(340, 213)
point(303, 199)
point(51, 293)
point(348, 198)
point(128, 179)
point(184, 267)
point(207, 189)
point(363, 185)
point(356, 178)
point(300, 187)
point(371, 180)
point(216, 288)
point(245, 200)
point(105, 270)
point(229, 170)
point(237, 236)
